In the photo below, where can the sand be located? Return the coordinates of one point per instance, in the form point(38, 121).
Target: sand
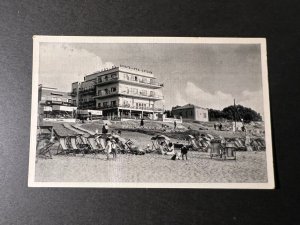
point(250, 167)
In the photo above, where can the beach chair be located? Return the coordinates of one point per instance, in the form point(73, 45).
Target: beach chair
point(94, 148)
point(74, 145)
point(192, 142)
point(43, 150)
point(229, 151)
point(133, 148)
point(63, 145)
point(83, 143)
point(216, 149)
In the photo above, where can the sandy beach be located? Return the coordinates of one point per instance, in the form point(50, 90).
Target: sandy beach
point(250, 167)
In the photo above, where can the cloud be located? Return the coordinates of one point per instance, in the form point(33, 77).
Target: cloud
point(218, 100)
point(62, 64)
point(253, 100)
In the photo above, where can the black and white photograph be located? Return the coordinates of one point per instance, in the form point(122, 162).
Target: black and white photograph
point(150, 112)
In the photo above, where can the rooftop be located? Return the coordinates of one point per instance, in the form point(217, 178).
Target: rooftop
point(187, 106)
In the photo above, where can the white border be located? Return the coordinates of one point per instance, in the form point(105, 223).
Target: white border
point(188, 40)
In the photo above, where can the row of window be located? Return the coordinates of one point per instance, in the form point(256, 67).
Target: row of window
point(107, 91)
point(107, 77)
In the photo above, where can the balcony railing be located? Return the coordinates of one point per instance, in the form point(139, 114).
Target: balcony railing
point(73, 93)
point(152, 83)
point(87, 91)
point(143, 95)
point(126, 106)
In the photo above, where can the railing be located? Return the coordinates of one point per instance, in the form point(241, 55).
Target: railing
point(130, 93)
point(107, 80)
point(142, 94)
point(86, 91)
point(73, 93)
point(129, 107)
point(131, 81)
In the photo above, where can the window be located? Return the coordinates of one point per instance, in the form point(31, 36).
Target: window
point(135, 78)
point(113, 89)
point(113, 103)
point(152, 93)
point(99, 79)
point(99, 92)
point(99, 104)
point(134, 90)
point(105, 104)
point(74, 102)
point(191, 112)
point(106, 78)
point(143, 92)
point(204, 115)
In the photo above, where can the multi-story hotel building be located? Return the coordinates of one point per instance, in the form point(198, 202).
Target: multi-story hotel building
point(119, 92)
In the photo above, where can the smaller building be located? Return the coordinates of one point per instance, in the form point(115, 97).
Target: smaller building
point(191, 112)
point(54, 105)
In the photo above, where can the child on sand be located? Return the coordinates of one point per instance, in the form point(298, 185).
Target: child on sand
point(184, 151)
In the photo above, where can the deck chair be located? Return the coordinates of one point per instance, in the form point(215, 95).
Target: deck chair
point(94, 148)
point(133, 148)
point(216, 149)
point(100, 142)
point(63, 145)
point(74, 145)
point(43, 150)
point(83, 143)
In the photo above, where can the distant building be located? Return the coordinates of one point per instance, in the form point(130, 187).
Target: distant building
point(54, 103)
point(121, 92)
point(191, 112)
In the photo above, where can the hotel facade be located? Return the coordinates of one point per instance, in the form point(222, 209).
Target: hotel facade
point(121, 92)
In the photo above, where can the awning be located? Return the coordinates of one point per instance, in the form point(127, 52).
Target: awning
point(63, 108)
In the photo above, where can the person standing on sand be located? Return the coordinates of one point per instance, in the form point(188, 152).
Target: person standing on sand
point(108, 148)
point(175, 124)
point(142, 122)
point(114, 149)
point(184, 151)
point(220, 126)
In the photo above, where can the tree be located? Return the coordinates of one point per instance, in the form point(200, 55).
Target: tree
point(237, 113)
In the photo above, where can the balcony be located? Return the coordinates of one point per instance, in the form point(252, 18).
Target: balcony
point(73, 93)
point(107, 81)
point(131, 94)
point(130, 107)
point(87, 91)
point(135, 82)
point(88, 104)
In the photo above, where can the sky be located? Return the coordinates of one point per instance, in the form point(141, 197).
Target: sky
point(207, 75)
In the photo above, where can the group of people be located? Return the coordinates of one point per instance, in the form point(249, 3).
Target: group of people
point(218, 126)
point(183, 153)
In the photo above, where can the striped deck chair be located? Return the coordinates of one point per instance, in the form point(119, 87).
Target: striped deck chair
point(43, 150)
point(83, 143)
point(93, 145)
point(63, 145)
point(74, 145)
point(100, 142)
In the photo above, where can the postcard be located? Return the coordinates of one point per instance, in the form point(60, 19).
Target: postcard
point(150, 112)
